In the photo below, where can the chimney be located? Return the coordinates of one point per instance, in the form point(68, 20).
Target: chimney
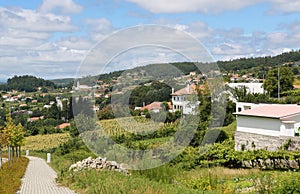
point(173, 91)
point(188, 88)
point(144, 104)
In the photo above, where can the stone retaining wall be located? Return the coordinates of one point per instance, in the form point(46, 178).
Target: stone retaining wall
point(250, 141)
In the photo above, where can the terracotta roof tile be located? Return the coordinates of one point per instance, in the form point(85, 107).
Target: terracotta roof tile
point(186, 91)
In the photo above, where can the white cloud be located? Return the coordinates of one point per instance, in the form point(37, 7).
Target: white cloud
point(285, 6)
point(214, 7)
point(62, 6)
point(203, 6)
point(32, 21)
point(99, 28)
point(27, 43)
point(75, 42)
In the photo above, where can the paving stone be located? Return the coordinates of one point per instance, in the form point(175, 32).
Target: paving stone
point(40, 179)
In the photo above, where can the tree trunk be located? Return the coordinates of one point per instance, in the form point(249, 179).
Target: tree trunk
point(0, 157)
point(8, 155)
point(13, 154)
point(17, 152)
point(20, 151)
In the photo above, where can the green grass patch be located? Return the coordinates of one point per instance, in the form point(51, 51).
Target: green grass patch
point(10, 176)
point(150, 143)
point(111, 182)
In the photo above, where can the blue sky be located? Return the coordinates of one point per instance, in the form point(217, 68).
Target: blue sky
point(51, 38)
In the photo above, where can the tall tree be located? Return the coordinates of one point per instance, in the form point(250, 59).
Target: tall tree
point(3, 142)
point(17, 138)
point(286, 78)
point(9, 126)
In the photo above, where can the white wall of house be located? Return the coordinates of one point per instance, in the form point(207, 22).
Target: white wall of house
point(259, 125)
point(184, 104)
point(287, 129)
point(241, 106)
point(250, 87)
point(178, 103)
point(296, 124)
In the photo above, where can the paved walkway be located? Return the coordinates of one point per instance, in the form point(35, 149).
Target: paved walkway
point(40, 179)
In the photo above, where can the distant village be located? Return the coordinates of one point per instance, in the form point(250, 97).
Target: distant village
point(260, 120)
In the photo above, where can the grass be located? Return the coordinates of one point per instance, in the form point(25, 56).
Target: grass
point(219, 179)
point(45, 142)
point(152, 143)
point(10, 177)
point(113, 182)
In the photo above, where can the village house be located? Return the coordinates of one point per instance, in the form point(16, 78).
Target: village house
point(250, 87)
point(63, 125)
point(266, 126)
point(182, 99)
point(155, 107)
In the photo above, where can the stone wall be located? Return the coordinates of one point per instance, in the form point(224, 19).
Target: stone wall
point(250, 141)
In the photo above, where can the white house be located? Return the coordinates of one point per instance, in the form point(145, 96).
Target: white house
point(270, 120)
point(241, 106)
point(250, 87)
point(185, 99)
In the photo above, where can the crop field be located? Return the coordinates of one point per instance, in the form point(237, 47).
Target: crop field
point(44, 142)
point(138, 125)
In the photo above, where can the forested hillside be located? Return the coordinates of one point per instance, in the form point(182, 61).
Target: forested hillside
point(268, 61)
point(27, 83)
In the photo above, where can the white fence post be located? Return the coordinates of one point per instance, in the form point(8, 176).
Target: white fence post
point(48, 157)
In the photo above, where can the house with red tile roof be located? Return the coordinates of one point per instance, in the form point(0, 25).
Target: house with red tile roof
point(63, 125)
point(185, 99)
point(32, 119)
point(155, 106)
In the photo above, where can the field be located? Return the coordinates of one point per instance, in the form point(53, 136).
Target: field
point(45, 142)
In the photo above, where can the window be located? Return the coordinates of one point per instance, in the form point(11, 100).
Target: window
point(239, 109)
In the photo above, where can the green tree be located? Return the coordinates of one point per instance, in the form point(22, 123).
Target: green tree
point(17, 138)
point(286, 80)
point(9, 126)
point(3, 142)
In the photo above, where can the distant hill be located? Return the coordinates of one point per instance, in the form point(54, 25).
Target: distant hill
point(27, 83)
point(63, 81)
point(264, 62)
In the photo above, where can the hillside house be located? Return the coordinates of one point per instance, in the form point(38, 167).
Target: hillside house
point(266, 124)
point(250, 87)
point(155, 107)
point(182, 99)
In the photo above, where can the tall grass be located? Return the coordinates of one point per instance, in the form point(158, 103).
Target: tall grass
point(10, 176)
point(113, 182)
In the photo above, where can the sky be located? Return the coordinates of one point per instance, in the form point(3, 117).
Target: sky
point(52, 38)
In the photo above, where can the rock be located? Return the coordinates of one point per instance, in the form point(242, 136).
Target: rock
point(293, 164)
point(99, 163)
